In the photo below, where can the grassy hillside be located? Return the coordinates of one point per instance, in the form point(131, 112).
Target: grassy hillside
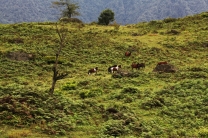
point(142, 104)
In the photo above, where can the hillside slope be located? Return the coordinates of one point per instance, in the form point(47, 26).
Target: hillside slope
point(128, 103)
point(126, 12)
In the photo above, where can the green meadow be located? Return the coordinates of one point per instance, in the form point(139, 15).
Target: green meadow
point(143, 104)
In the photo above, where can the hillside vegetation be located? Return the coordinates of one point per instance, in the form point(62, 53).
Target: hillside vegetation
point(141, 104)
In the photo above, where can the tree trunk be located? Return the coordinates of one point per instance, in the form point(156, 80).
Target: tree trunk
point(52, 87)
point(55, 73)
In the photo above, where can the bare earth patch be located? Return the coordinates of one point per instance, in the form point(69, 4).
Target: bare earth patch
point(168, 68)
point(20, 56)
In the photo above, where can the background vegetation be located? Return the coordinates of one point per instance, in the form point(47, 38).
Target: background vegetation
point(144, 104)
point(126, 12)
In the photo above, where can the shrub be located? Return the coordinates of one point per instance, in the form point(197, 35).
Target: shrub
point(168, 20)
point(153, 103)
point(93, 23)
point(90, 93)
point(68, 20)
point(51, 60)
point(116, 75)
point(69, 86)
point(115, 25)
point(204, 15)
point(15, 40)
point(156, 24)
point(83, 83)
point(130, 90)
point(203, 132)
point(114, 128)
point(174, 32)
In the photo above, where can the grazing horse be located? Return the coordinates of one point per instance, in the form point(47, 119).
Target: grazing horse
point(137, 66)
point(114, 68)
point(162, 63)
point(134, 65)
point(127, 53)
point(93, 70)
point(109, 69)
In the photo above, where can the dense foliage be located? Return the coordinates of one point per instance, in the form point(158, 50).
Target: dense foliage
point(106, 17)
point(130, 103)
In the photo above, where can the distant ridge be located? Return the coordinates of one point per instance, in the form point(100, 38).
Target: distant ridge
point(126, 12)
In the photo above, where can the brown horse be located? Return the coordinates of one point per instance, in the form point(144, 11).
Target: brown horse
point(162, 63)
point(137, 65)
point(114, 68)
point(93, 70)
point(127, 53)
point(134, 65)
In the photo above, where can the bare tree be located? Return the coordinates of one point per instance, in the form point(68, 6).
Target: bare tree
point(56, 75)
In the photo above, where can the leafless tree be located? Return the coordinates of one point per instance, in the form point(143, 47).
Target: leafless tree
point(56, 75)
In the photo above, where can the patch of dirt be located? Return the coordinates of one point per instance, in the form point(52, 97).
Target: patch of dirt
point(20, 56)
point(168, 68)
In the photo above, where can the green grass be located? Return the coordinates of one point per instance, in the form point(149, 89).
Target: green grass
point(146, 104)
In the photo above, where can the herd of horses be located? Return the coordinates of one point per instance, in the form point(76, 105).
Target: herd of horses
point(115, 68)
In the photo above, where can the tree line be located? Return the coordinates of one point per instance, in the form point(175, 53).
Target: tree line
point(69, 10)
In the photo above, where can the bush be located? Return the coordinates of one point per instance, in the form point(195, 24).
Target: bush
point(154, 103)
point(174, 32)
point(115, 25)
point(90, 93)
point(116, 75)
point(203, 132)
point(68, 20)
point(130, 90)
point(168, 20)
point(114, 128)
point(69, 86)
point(83, 83)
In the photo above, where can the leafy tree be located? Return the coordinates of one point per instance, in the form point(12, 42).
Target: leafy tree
point(106, 17)
point(69, 10)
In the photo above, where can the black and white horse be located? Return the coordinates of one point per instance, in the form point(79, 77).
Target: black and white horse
point(114, 68)
point(93, 70)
